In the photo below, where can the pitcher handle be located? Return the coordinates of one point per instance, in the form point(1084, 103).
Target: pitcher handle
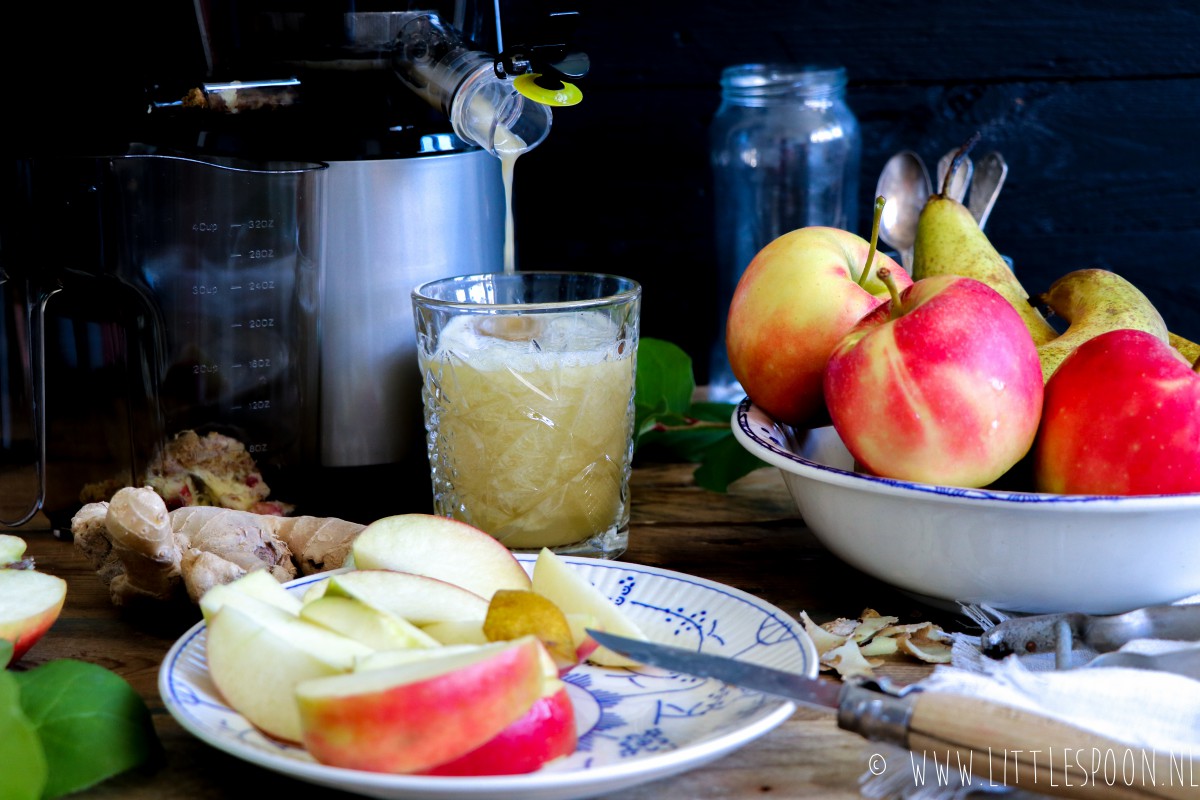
point(36, 315)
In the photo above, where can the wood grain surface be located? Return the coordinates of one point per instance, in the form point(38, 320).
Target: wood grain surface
point(750, 538)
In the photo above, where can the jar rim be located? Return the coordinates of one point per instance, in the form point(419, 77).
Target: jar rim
point(773, 76)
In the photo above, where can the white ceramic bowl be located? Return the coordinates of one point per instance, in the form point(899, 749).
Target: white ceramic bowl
point(1016, 551)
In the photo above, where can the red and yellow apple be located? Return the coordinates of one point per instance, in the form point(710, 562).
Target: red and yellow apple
point(1121, 417)
point(796, 300)
point(942, 384)
point(30, 603)
point(418, 715)
point(546, 732)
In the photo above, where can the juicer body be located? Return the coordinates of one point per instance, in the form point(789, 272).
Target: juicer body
point(246, 273)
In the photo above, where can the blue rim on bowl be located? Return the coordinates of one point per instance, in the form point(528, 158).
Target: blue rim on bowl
point(1018, 551)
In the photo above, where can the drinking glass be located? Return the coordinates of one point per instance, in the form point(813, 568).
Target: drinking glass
point(528, 385)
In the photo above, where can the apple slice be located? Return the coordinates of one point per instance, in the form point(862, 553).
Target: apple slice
point(553, 578)
point(12, 548)
point(414, 716)
point(259, 584)
point(585, 645)
point(419, 599)
point(366, 624)
point(30, 602)
point(546, 732)
point(442, 548)
point(514, 613)
point(258, 653)
point(457, 631)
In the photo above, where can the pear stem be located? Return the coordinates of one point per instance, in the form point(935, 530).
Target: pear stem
point(884, 274)
point(878, 215)
point(958, 157)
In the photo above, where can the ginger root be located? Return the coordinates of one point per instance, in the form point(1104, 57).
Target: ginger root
point(142, 551)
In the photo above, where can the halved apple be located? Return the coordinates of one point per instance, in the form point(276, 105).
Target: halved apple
point(259, 584)
point(414, 716)
point(30, 602)
point(442, 548)
point(12, 548)
point(514, 613)
point(257, 654)
point(553, 578)
point(419, 599)
point(546, 732)
point(366, 624)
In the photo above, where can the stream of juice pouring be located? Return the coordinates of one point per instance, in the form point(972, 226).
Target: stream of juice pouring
point(508, 147)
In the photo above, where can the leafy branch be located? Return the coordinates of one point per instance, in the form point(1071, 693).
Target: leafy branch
point(667, 420)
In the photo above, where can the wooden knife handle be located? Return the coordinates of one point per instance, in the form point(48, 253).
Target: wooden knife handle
point(1005, 745)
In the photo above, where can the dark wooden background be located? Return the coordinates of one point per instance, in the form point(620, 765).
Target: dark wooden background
point(1095, 106)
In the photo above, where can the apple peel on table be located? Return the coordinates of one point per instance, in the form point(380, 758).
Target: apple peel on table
point(416, 716)
point(1121, 417)
point(940, 385)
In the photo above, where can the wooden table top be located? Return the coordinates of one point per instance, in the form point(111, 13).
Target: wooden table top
point(750, 538)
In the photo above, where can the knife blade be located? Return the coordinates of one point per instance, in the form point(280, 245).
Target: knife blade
point(999, 744)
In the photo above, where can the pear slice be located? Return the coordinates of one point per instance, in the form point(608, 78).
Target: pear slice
point(514, 613)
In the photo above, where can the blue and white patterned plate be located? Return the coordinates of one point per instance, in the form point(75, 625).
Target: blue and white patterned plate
point(634, 725)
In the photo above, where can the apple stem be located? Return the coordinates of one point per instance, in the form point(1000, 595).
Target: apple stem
point(884, 274)
point(878, 215)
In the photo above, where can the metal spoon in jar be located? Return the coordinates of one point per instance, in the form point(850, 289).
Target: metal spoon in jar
point(904, 182)
point(962, 175)
point(989, 177)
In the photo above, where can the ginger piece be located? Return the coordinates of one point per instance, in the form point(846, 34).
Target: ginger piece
point(139, 528)
point(318, 543)
point(142, 551)
point(871, 623)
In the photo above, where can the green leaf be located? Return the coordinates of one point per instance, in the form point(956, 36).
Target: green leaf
point(724, 463)
point(23, 769)
point(91, 722)
point(6, 653)
point(669, 423)
point(664, 381)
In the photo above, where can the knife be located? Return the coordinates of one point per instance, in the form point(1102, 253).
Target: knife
point(1000, 744)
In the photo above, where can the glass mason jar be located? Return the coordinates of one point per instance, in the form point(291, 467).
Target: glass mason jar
point(785, 155)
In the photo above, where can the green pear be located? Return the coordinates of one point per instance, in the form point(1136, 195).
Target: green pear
point(1186, 347)
point(1094, 301)
point(949, 242)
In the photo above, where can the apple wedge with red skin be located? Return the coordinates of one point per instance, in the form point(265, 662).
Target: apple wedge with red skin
point(797, 298)
point(1121, 417)
point(546, 732)
point(941, 385)
point(415, 716)
point(30, 603)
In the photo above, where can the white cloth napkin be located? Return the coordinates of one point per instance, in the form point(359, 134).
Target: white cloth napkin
point(1142, 709)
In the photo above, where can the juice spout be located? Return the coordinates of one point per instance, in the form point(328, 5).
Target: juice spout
point(482, 101)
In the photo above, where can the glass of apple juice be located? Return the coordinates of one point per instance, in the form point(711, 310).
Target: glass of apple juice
point(528, 383)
